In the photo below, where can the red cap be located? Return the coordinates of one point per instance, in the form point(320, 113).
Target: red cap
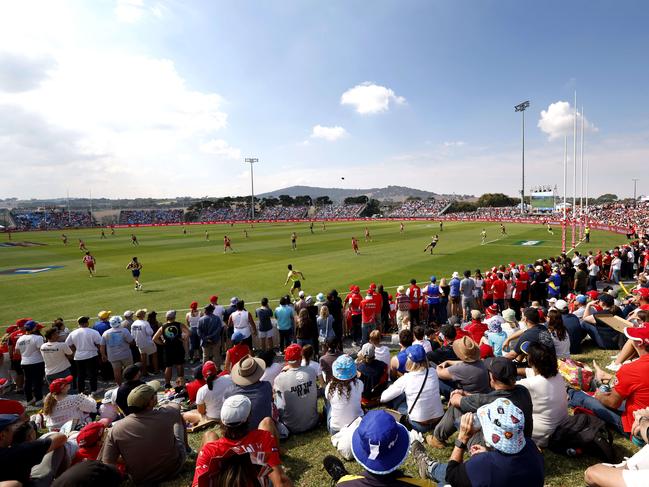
point(512, 264)
point(214, 298)
point(643, 292)
point(11, 329)
point(90, 434)
point(389, 297)
point(351, 287)
point(193, 305)
point(209, 369)
point(638, 333)
point(293, 353)
point(370, 292)
point(21, 322)
point(645, 307)
point(372, 286)
point(492, 310)
point(592, 295)
point(9, 406)
point(57, 385)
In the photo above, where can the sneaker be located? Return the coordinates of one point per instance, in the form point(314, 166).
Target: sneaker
point(334, 467)
point(434, 442)
point(424, 463)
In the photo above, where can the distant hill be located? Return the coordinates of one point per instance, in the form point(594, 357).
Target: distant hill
point(394, 193)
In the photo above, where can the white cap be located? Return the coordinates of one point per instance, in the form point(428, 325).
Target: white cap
point(128, 313)
point(561, 305)
point(455, 274)
point(235, 410)
point(301, 294)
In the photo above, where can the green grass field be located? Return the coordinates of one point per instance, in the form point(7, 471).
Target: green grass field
point(180, 268)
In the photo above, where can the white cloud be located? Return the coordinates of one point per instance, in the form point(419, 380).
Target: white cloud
point(220, 147)
point(454, 143)
point(328, 133)
point(558, 120)
point(369, 98)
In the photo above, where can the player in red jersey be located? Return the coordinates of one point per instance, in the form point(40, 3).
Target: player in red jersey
point(134, 239)
point(355, 246)
point(227, 244)
point(82, 245)
point(90, 262)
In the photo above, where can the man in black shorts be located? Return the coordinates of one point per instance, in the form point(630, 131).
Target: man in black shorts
point(172, 336)
point(293, 275)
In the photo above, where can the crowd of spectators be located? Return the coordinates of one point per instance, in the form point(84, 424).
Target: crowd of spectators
point(50, 219)
point(283, 212)
point(148, 217)
point(339, 211)
point(482, 355)
point(419, 208)
point(238, 213)
point(621, 214)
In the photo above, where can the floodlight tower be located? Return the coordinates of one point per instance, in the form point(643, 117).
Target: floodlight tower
point(521, 108)
point(252, 160)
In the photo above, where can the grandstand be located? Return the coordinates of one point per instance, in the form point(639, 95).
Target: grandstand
point(50, 219)
point(283, 213)
point(419, 208)
point(149, 217)
point(339, 211)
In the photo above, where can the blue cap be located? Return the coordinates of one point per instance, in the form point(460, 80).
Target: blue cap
point(30, 325)
point(433, 279)
point(344, 368)
point(237, 337)
point(581, 299)
point(416, 353)
point(380, 444)
point(7, 420)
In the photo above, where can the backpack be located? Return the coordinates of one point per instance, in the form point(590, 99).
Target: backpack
point(586, 432)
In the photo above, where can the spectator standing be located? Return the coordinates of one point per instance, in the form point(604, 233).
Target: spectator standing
point(32, 362)
point(115, 347)
point(142, 333)
point(192, 318)
point(172, 336)
point(414, 294)
point(265, 328)
point(241, 321)
point(403, 306)
point(467, 287)
point(56, 356)
point(85, 343)
point(285, 323)
point(210, 329)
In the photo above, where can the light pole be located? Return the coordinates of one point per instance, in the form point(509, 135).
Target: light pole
point(252, 160)
point(521, 108)
point(635, 198)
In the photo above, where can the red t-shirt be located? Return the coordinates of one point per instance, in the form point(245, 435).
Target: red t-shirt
point(488, 291)
point(192, 389)
point(475, 330)
point(13, 338)
point(237, 352)
point(260, 445)
point(632, 383)
point(368, 309)
point(414, 293)
point(378, 299)
point(499, 287)
point(355, 303)
point(524, 277)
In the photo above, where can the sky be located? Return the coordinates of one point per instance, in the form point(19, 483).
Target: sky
point(164, 98)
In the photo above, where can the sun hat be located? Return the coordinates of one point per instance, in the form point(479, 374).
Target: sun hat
point(495, 324)
point(401, 289)
point(128, 313)
point(344, 368)
point(416, 353)
point(209, 370)
point(57, 385)
point(131, 371)
point(142, 394)
point(368, 350)
point(639, 333)
point(104, 315)
point(320, 298)
point(7, 420)
point(237, 337)
point(380, 444)
point(503, 370)
point(509, 315)
point(293, 353)
point(466, 349)
point(475, 314)
point(115, 321)
point(561, 304)
point(247, 371)
point(502, 426)
point(235, 410)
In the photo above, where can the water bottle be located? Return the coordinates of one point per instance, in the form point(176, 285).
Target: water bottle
point(573, 452)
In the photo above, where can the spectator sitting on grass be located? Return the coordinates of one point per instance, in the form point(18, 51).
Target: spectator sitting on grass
point(398, 362)
point(380, 446)
point(272, 368)
point(132, 379)
point(343, 395)
point(59, 407)
point(373, 374)
point(209, 398)
point(242, 456)
point(381, 352)
point(235, 353)
point(332, 352)
point(445, 351)
point(246, 380)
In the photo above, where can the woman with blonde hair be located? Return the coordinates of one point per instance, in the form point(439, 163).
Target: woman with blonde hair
point(59, 407)
point(325, 325)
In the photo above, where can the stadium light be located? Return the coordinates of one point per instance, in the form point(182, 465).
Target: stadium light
point(252, 160)
point(635, 198)
point(521, 108)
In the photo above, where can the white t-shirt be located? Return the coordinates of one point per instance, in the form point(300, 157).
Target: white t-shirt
point(240, 323)
point(429, 404)
point(219, 311)
point(30, 349)
point(75, 406)
point(314, 365)
point(382, 353)
point(85, 341)
point(213, 399)
point(343, 410)
point(54, 354)
point(142, 334)
point(193, 320)
point(271, 372)
point(549, 404)
point(424, 343)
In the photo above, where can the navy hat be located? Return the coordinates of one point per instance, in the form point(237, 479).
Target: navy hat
point(433, 278)
point(416, 353)
point(380, 444)
point(7, 420)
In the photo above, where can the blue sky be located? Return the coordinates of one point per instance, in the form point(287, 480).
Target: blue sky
point(166, 97)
